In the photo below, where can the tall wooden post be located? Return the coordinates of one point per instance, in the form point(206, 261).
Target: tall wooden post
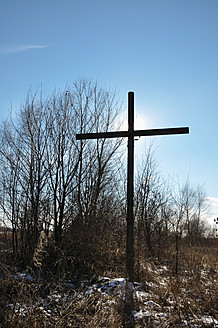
point(128, 320)
point(130, 191)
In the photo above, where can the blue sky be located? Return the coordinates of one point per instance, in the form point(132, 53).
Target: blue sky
point(166, 51)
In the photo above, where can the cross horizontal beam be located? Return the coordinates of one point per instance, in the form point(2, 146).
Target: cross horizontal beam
point(135, 133)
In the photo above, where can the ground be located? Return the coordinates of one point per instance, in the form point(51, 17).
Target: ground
point(161, 299)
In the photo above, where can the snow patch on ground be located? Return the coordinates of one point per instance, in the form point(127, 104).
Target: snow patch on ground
point(109, 292)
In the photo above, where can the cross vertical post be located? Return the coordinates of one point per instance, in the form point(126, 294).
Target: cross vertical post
point(130, 191)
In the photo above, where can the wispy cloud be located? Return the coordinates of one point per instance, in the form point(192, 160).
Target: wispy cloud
point(13, 49)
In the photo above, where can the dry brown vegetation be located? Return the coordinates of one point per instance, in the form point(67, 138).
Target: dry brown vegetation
point(63, 290)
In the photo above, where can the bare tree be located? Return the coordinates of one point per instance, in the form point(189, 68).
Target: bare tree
point(79, 172)
point(9, 190)
point(196, 209)
point(22, 152)
point(187, 213)
point(151, 195)
point(99, 160)
point(61, 157)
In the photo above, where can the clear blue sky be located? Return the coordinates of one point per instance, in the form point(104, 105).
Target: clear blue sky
point(166, 51)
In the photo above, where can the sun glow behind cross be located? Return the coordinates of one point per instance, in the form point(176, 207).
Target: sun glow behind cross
point(140, 123)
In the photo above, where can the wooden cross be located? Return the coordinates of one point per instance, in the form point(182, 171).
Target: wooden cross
point(130, 134)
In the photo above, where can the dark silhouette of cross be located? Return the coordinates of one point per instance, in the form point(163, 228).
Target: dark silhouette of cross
point(130, 134)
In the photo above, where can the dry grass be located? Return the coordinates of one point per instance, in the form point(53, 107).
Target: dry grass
point(38, 304)
point(186, 299)
point(54, 298)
